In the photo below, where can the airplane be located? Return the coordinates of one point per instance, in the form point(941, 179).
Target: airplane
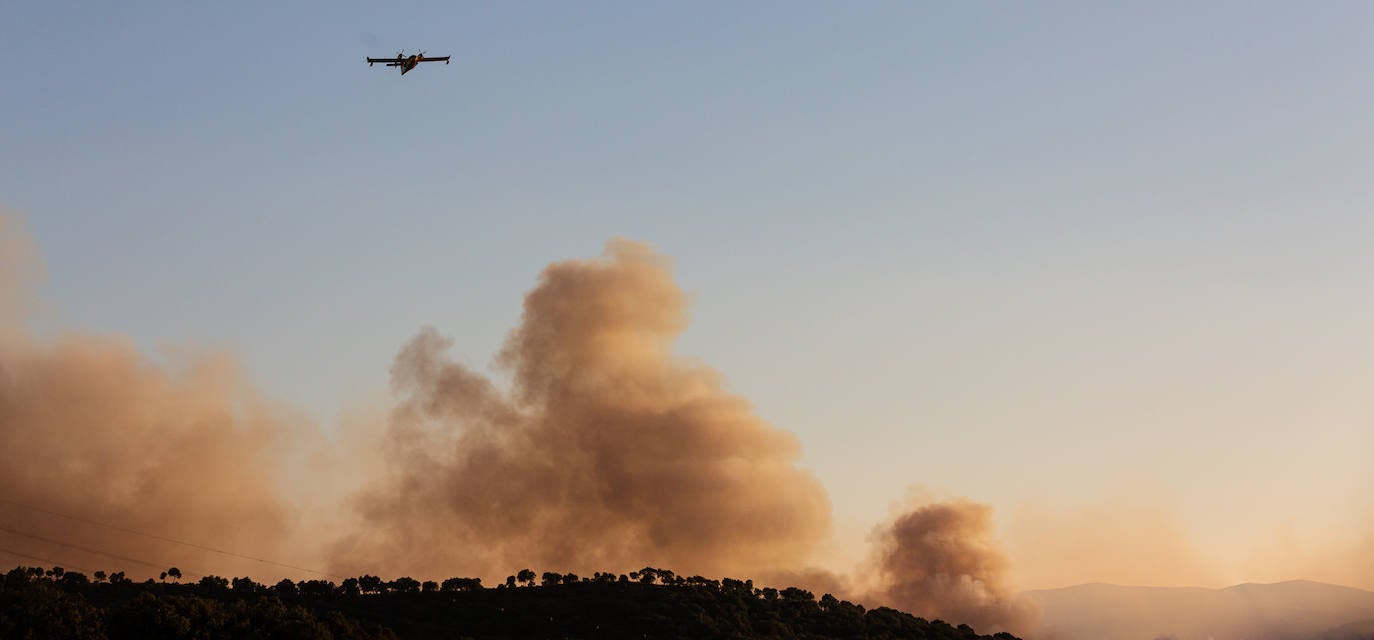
point(405, 62)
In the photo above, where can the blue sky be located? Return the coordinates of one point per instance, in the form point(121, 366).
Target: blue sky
point(1128, 243)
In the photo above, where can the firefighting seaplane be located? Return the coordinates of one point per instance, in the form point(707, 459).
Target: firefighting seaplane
point(405, 62)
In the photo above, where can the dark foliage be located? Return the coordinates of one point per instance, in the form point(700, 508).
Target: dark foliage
point(650, 603)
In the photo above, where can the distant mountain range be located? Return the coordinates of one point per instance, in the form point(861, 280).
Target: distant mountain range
point(1295, 610)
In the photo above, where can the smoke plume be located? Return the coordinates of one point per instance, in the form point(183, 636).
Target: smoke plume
point(607, 453)
point(90, 428)
point(939, 560)
point(603, 451)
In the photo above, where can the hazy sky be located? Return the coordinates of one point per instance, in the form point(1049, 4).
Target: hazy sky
point(1087, 264)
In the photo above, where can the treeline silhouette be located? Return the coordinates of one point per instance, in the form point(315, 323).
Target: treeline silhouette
point(42, 604)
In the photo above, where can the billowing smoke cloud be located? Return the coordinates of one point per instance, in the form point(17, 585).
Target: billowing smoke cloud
point(90, 428)
point(939, 560)
point(607, 453)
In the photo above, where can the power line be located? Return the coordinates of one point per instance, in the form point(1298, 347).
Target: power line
point(55, 563)
point(165, 539)
point(159, 567)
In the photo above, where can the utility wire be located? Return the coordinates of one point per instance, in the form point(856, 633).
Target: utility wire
point(164, 539)
point(78, 547)
point(54, 563)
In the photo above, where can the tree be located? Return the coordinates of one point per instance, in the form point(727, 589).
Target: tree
point(461, 584)
point(793, 594)
point(405, 584)
point(99, 576)
point(735, 587)
point(174, 573)
point(316, 588)
point(286, 588)
point(350, 587)
point(525, 577)
point(148, 616)
point(213, 584)
point(245, 585)
point(370, 584)
point(429, 586)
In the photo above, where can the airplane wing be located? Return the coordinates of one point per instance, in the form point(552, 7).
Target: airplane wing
point(371, 60)
point(439, 59)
